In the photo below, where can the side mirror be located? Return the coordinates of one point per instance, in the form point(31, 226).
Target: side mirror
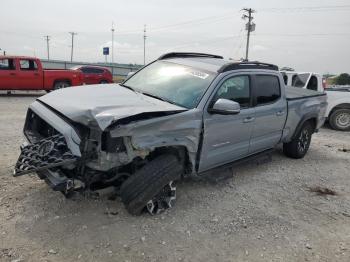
point(225, 107)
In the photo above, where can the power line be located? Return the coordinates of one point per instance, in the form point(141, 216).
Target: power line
point(307, 8)
point(304, 34)
point(47, 37)
point(71, 54)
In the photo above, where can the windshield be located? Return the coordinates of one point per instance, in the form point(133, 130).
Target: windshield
point(300, 80)
point(172, 82)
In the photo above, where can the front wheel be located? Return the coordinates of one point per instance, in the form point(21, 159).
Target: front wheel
point(340, 119)
point(152, 187)
point(298, 147)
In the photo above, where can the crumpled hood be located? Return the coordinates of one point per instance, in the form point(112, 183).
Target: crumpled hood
point(103, 104)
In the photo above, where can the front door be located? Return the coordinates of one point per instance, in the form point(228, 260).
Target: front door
point(226, 137)
point(270, 113)
point(29, 77)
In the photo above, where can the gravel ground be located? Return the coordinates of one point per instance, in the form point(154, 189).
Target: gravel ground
point(265, 212)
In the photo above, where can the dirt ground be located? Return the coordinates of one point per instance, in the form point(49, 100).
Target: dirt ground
point(266, 212)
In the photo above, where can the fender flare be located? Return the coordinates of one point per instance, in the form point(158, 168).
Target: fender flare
point(305, 118)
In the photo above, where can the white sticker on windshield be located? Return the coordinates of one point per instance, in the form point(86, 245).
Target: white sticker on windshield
point(199, 74)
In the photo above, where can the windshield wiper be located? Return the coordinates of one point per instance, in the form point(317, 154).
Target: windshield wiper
point(128, 87)
point(160, 98)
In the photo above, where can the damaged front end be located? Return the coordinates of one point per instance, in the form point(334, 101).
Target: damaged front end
point(74, 157)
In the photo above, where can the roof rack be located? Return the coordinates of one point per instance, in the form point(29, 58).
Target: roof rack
point(247, 65)
point(184, 54)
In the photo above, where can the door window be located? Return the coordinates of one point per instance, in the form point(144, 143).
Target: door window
point(237, 89)
point(7, 64)
point(28, 65)
point(97, 71)
point(268, 89)
point(91, 70)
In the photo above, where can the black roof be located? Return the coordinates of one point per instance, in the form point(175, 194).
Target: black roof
point(214, 62)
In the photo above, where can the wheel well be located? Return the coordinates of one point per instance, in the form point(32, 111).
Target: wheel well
point(180, 152)
point(313, 122)
point(340, 106)
point(62, 80)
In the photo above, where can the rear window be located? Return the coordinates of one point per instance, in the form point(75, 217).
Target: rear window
point(7, 64)
point(268, 89)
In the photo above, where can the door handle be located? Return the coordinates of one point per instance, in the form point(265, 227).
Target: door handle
point(36, 74)
point(12, 74)
point(248, 119)
point(280, 113)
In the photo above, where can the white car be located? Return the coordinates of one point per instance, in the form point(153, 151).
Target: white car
point(338, 110)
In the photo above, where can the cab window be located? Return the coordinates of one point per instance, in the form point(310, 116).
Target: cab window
point(28, 65)
point(236, 89)
point(7, 64)
point(268, 89)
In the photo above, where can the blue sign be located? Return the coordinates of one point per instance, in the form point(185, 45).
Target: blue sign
point(106, 51)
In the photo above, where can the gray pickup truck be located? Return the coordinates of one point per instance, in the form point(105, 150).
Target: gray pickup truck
point(183, 115)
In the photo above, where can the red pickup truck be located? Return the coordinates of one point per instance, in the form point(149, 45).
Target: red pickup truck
point(27, 73)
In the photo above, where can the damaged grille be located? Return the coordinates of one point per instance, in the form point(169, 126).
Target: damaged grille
point(47, 153)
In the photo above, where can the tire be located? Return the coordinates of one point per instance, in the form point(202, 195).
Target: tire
point(298, 147)
point(340, 119)
point(103, 82)
point(149, 181)
point(60, 85)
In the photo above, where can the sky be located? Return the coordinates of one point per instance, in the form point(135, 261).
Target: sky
point(308, 35)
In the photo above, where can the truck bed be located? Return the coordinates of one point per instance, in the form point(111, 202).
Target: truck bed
point(294, 93)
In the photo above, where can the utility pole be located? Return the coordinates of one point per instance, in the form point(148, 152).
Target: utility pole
point(250, 27)
point(144, 45)
point(112, 42)
point(71, 54)
point(48, 46)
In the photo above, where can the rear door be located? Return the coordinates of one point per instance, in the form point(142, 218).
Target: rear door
point(270, 112)
point(226, 137)
point(29, 77)
point(8, 74)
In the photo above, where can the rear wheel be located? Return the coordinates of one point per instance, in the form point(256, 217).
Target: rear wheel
point(152, 187)
point(340, 119)
point(300, 144)
point(60, 85)
point(104, 82)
